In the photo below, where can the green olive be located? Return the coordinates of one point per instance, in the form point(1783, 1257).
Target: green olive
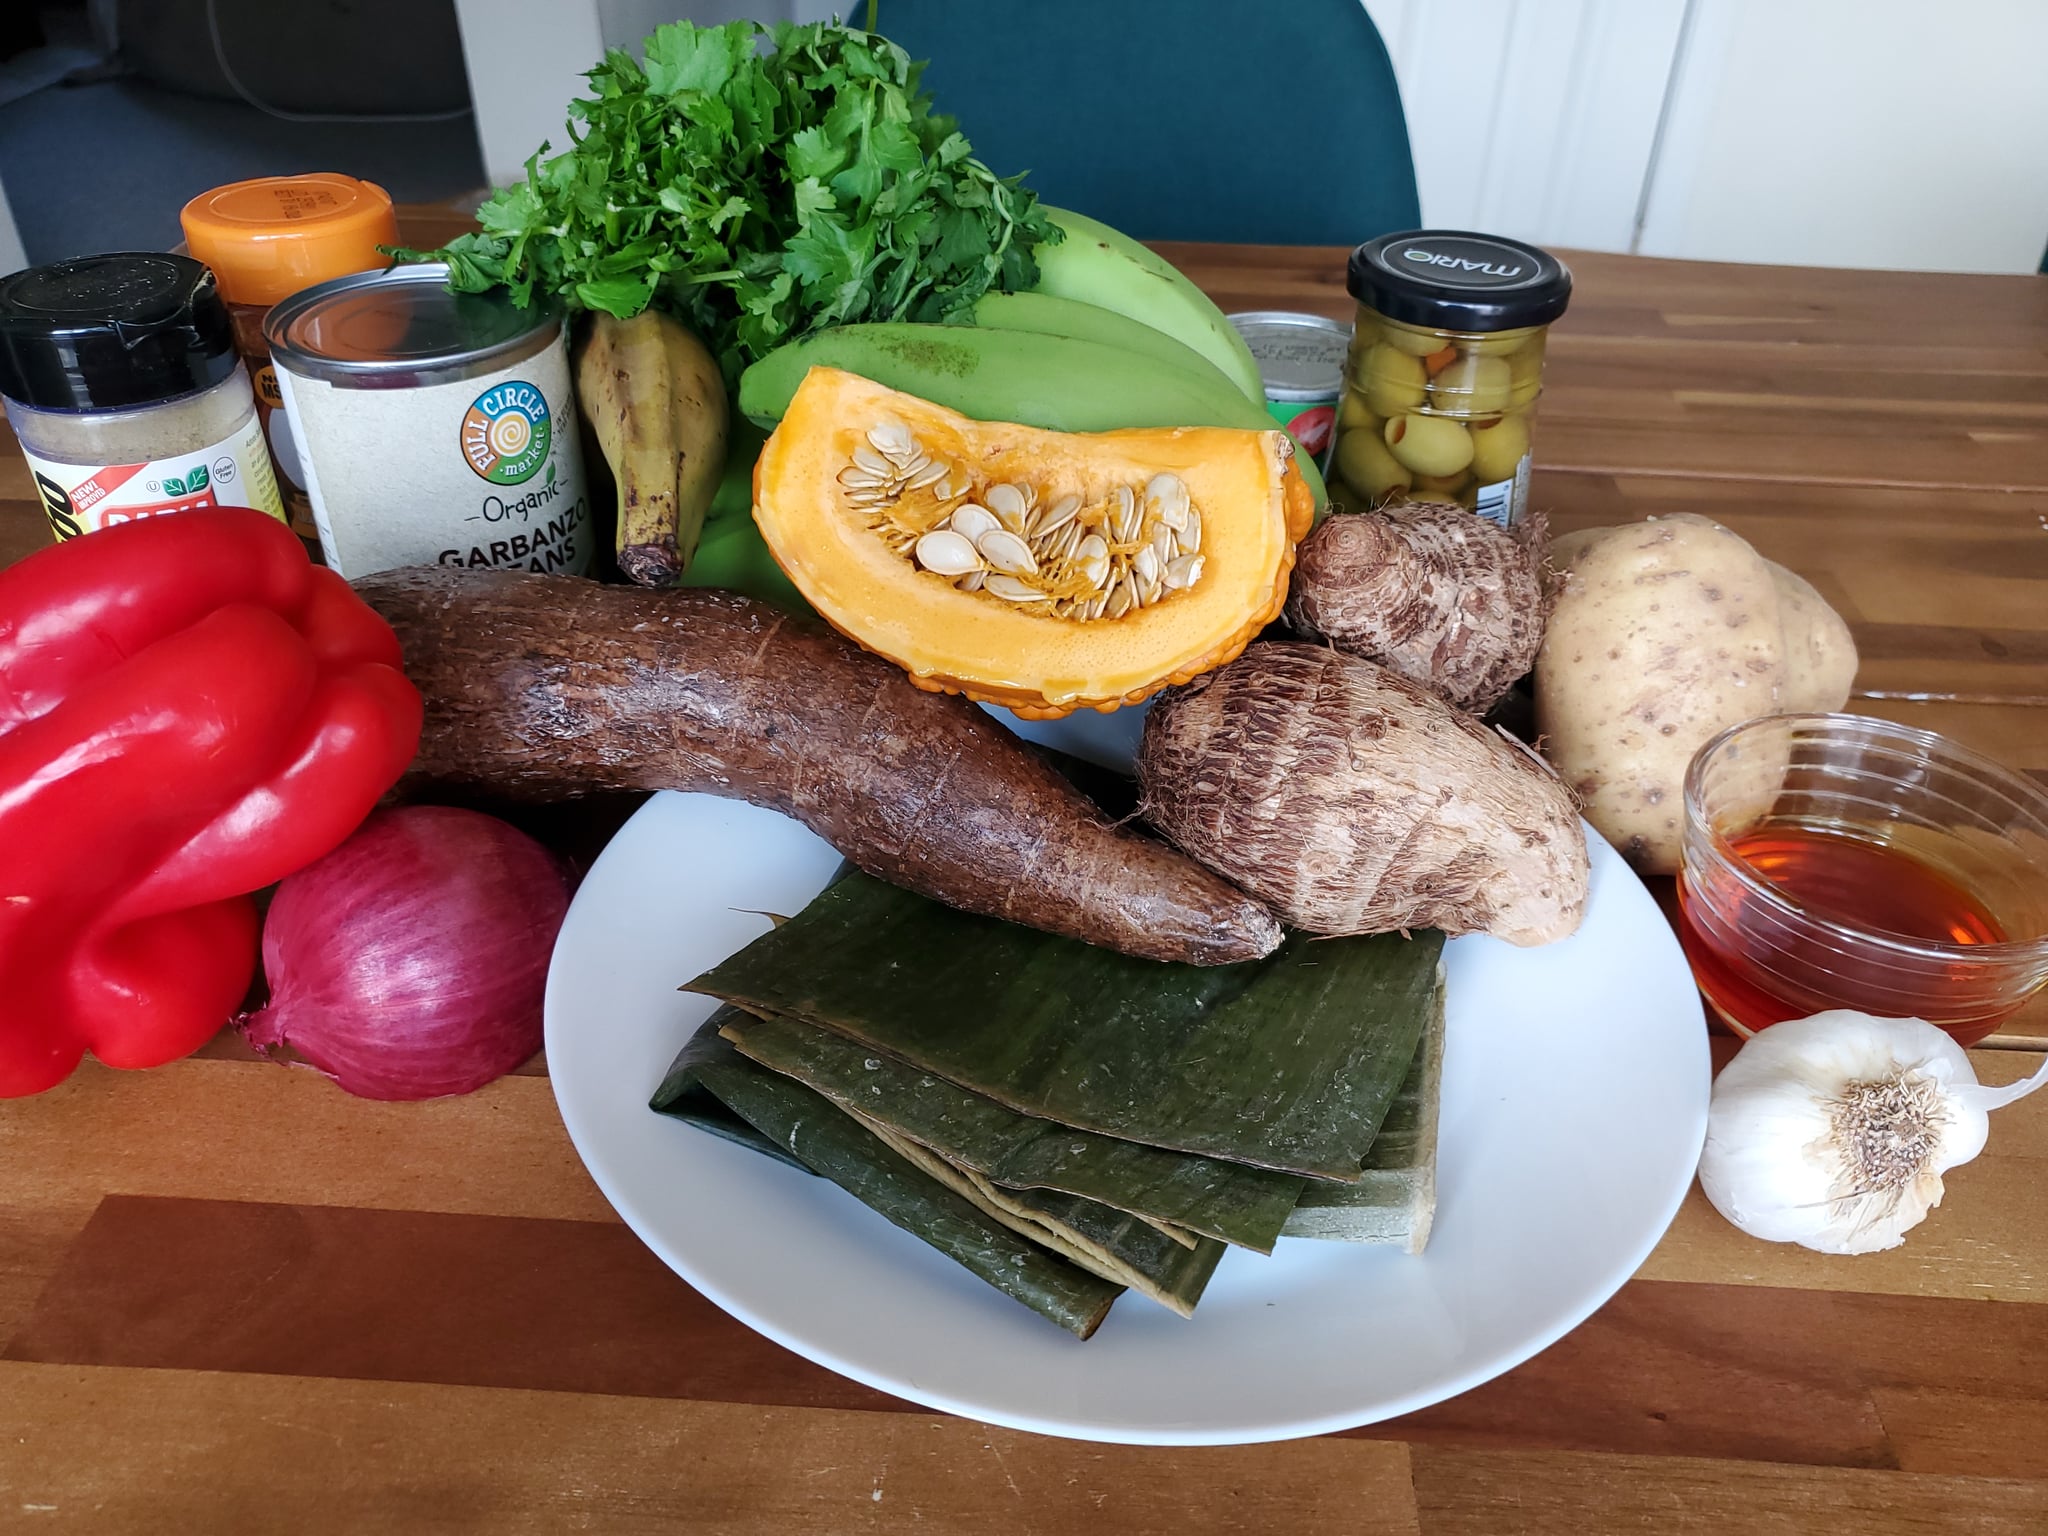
point(1430, 445)
point(1394, 381)
point(1472, 386)
point(1497, 449)
point(1525, 371)
point(1364, 464)
point(1354, 412)
point(1499, 343)
point(1442, 485)
point(1413, 340)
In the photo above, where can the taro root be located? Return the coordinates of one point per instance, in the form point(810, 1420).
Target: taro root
point(1352, 800)
point(1428, 590)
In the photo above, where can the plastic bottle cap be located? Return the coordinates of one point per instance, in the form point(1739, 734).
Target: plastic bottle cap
point(112, 332)
point(266, 239)
point(1456, 280)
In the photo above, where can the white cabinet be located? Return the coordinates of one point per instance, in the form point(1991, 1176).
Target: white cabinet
point(1908, 134)
point(1532, 118)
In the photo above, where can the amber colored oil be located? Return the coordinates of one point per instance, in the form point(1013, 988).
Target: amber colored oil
point(1857, 881)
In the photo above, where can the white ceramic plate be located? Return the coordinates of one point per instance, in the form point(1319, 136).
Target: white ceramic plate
point(1574, 1105)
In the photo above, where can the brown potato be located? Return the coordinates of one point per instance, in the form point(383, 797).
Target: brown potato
point(1662, 634)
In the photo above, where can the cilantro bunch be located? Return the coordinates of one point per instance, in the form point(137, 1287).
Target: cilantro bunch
point(757, 196)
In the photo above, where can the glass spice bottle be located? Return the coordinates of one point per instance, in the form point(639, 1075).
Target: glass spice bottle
point(266, 239)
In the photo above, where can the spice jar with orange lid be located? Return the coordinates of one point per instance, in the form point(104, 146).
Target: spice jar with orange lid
point(266, 240)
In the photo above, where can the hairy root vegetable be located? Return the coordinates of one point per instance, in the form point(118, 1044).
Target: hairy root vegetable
point(540, 687)
point(1429, 590)
point(1352, 800)
point(1663, 633)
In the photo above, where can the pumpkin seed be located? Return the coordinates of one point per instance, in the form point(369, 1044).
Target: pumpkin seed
point(1091, 557)
point(1006, 552)
point(1166, 498)
point(1163, 542)
point(1145, 565)
point(1056, 516)
point(1117, 603)
point(1190, 538)
point(891, 437)
point(947, 553)
point(931, 474)
point(1124, 514)
point(1183, 571)
point(1011, 588)
point(871, 461)
point(1008, 503)
point(971, 582)
point(971, 522)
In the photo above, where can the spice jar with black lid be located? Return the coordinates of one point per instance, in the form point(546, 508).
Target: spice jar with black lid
point(120, 377)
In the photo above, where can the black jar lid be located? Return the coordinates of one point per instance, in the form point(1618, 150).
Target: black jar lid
point(112, 332)
point(1455, 280)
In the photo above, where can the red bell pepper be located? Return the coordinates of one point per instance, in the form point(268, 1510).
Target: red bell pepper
point(189, 711)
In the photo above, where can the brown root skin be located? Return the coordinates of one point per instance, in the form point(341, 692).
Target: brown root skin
point(1352, 800)
point(651, 565)
point(1429, 590)
point(544, 687)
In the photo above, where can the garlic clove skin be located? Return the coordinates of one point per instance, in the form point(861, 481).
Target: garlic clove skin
point(1833, 1132)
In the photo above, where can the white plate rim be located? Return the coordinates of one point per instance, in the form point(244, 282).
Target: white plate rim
point(1623, 1267)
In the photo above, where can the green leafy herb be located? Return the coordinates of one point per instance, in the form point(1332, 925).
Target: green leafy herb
point(758, 197)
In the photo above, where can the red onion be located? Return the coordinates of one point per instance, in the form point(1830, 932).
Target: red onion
point(410, 962)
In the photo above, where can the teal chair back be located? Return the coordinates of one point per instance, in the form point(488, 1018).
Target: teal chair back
point(1266, 121)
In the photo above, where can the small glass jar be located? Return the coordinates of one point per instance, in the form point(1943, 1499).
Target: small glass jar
point(1837, 861)
point(120, 378)
point(265, 240)
point(1445, 368)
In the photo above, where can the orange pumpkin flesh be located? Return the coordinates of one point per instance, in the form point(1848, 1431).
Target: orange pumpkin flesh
point(1253, 506)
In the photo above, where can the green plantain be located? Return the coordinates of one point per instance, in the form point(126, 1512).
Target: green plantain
point(1102, 266)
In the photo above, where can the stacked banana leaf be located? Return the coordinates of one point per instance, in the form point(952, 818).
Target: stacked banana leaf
point(1068, 1122)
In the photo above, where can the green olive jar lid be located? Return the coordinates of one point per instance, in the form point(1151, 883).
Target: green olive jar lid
point(1456, 280)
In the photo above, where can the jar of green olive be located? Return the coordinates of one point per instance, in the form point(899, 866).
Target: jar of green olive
point(1445, 368)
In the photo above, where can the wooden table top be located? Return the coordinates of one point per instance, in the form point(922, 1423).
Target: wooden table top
point(232, 1298)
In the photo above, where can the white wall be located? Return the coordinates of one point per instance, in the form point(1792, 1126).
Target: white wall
point(1854, 133)
point(1858, 133)
point(525, 60)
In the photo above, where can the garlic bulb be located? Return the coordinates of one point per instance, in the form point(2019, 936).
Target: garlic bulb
point(1833, 1132)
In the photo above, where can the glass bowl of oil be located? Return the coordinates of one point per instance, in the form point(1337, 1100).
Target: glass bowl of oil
point(1836, 861)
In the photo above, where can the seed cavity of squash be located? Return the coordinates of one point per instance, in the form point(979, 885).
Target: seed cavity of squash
point(1128, 549)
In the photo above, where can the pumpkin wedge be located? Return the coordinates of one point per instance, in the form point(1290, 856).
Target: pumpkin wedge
point(1045, 571)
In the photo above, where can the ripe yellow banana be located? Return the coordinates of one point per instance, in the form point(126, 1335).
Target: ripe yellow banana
point(655, 402)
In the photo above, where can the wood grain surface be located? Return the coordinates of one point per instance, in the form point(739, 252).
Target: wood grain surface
point(234, 1299)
